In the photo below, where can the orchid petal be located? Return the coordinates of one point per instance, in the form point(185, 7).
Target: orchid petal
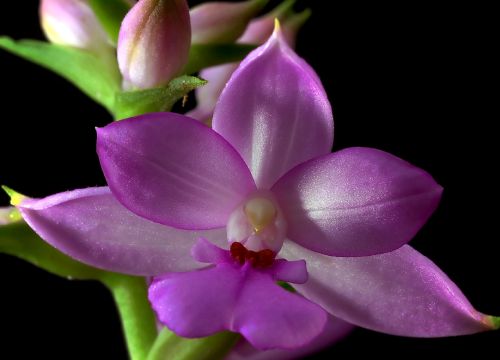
point(91, 226)
point(400, 293)
point(356, 202)
point(334, 331)
point(266, 323)
point(206, 252)
point(290, 271)
point(171, 169)
point(236, 298)
point(275, 112)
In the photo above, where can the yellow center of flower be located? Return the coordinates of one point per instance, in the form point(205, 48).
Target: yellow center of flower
point(257, 223)
point(260, 213)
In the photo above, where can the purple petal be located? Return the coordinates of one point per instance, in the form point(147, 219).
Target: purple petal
point(289, 271)
point(244, 300)
point(171, 169)
point(334, 331)
point(356, 202)
point(91, 226)
point(263, 319)
point(206, 252)
point(197, 303)
point(400, 293)
point(275, 112)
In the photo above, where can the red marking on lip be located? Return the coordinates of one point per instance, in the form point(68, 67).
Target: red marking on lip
point(258, 259)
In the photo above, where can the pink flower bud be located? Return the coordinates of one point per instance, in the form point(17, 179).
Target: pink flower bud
point(72, 23)
point(222, 22)
point(154, 41)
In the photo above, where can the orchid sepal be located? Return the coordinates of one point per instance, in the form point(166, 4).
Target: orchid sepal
point(15, 197)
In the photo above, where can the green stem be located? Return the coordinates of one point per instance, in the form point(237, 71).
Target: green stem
point(138, 320)
point(169, 346)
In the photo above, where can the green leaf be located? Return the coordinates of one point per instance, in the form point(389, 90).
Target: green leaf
point(206, 55)
point(110, 14)
point(97, 76)
point(169, 346)
point(139, 102)
point(129, 292)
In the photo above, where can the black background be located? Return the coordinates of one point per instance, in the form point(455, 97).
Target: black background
point(415, 80)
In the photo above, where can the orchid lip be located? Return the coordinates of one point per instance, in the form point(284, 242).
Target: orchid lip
point(257, 259)
point(257, 223)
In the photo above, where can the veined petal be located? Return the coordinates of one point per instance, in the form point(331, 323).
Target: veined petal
point(356, 202)
point(335, 330)
point(275, 112)
point(173, 170)
point(400, 293)
point(244, 300)
point(91, 226)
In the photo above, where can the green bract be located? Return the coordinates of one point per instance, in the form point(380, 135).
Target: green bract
point(132, 103)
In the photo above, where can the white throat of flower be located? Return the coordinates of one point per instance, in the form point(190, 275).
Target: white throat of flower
point(257, 223)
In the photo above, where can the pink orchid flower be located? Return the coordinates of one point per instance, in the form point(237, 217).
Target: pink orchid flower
point(219, 215)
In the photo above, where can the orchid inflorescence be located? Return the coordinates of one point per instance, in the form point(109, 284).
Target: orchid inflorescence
point(249, 225)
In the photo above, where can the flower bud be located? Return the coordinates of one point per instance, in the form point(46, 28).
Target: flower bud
point(72, 23)
point(222, 22)
point(154, 41)
point(9, 215)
